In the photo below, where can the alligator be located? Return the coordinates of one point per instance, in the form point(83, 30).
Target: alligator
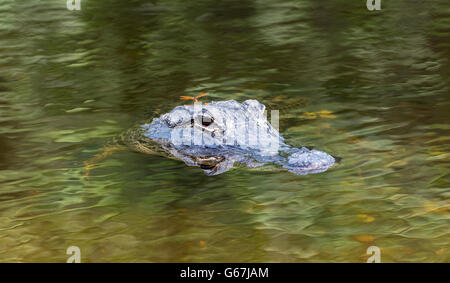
point(218, 135)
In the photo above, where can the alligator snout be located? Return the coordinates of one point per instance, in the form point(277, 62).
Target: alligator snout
point(305, 161)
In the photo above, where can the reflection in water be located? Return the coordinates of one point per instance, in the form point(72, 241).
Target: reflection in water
point(371, 87)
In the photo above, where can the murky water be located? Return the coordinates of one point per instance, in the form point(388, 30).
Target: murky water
point(369, 87)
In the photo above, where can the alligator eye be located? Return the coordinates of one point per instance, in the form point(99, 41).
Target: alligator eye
point(206, 121)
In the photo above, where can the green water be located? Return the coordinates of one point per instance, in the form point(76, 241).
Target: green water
point(369, 87)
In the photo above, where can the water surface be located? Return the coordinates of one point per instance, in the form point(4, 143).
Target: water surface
point(369, 87)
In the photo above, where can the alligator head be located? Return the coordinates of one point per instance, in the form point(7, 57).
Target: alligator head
point(216, 136)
